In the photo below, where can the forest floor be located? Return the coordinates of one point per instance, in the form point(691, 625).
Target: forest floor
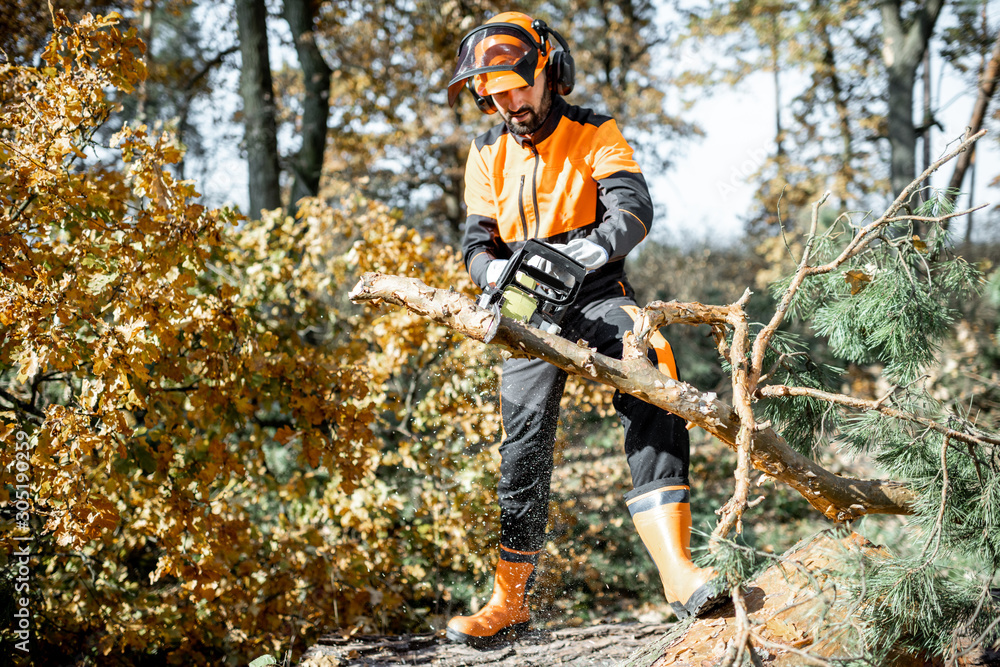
point(600, 645)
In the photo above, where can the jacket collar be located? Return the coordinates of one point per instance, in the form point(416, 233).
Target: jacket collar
point(548, 127)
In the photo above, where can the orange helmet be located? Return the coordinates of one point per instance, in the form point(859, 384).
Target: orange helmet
point(504, 53)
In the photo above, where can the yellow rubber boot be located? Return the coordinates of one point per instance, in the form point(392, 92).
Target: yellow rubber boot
point(504, 617)
point(663, 520)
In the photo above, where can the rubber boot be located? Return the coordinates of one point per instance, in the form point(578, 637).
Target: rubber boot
point(504, 617)
point(663, 520)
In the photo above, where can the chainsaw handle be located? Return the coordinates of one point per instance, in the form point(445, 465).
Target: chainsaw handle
point(560, 292)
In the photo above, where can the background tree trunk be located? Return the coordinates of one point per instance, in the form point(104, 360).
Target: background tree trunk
point(257, 92)
point(987, 86)
point(308, 164)
point(903, 52)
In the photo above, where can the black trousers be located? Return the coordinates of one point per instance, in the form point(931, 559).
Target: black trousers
point(656, 442)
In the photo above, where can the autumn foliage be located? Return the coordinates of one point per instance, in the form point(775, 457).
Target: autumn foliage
point(212, 424)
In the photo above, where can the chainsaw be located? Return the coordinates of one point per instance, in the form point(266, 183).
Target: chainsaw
point(536, 287)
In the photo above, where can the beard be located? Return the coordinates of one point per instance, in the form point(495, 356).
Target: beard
point(532, 118)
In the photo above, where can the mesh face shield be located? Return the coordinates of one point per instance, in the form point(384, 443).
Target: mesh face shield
point(500, 56)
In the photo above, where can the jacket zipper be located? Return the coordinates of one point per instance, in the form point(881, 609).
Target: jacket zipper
point(520, 206)
point(534, 188)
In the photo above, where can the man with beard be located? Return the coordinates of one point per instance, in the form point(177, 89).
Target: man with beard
point(566, 176)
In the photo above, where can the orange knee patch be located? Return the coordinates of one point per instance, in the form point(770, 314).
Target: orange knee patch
point(664, 354)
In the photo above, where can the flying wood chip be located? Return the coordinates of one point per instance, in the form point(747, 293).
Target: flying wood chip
point(857, 280)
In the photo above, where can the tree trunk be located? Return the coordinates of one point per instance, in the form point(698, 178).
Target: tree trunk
point(829, 70)
point(903, 51)
point(928, 121)
point(307, 167)
point(257, 92)
point(779, 131)
point(146, 33)
point(902, 132)
point(987, 86)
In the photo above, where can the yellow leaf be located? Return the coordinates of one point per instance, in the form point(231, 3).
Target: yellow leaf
point(129, 330)
point(101, 515)
point(29, 366)
point(857, 280)
point(284, 434)
point(919, 245)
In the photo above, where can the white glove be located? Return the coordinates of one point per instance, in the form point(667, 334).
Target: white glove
point(543, 265)
point(588, 253)
point(494, 270)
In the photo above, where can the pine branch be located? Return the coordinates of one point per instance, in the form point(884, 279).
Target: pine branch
point(778, 390)
point(765, 336)
point(865, 235)
point(938, 524)
point(935, 219)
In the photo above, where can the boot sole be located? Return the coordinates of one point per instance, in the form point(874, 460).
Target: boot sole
point(680, 611)
point(707, 598)
point(503, 636)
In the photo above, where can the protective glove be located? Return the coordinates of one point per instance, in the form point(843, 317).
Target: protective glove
point(588, 253)
point(494, 270)
point(543, 265)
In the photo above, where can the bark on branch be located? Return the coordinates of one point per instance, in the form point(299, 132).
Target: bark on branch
point(838, 498)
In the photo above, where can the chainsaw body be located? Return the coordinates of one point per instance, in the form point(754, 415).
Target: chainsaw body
point(536, 287)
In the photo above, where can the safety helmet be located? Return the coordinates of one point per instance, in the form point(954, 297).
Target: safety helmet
point(509, 51)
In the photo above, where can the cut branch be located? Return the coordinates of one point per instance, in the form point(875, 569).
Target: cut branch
point(731, 514)
point(838, 498)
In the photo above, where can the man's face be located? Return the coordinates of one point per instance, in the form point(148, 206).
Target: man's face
point(525, 109)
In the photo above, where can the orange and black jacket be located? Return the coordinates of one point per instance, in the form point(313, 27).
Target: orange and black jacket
point(574, 177)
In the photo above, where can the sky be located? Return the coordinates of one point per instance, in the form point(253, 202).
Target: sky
point(705, 196)
point(708, 189)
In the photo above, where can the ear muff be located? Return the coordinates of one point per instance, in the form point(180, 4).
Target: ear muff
point(484, 102)
point(560, 69)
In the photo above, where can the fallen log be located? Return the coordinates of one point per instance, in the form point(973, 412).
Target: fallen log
point(800, 612)
point(838, 498)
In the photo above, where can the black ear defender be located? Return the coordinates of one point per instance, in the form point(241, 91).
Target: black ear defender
point(484, 102)
point(560, 69)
